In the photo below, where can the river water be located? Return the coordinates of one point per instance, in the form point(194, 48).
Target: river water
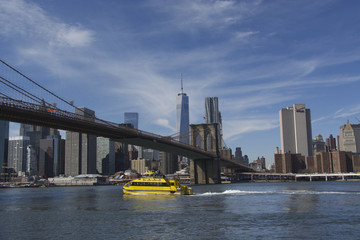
point(292, 210)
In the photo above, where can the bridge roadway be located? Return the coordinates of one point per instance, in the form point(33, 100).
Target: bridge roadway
point(29, 113)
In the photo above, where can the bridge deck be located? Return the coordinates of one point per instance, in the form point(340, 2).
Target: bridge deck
point(28, 113)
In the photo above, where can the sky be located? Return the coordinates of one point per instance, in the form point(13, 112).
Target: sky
point(255, 56)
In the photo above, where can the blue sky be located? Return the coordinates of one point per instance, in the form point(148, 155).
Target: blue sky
point(256, 56)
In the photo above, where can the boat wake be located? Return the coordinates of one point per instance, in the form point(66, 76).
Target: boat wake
point(284, 192)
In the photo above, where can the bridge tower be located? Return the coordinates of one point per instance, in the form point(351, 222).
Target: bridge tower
point(205, 171)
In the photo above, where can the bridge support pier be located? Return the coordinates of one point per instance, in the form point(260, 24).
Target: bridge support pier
point(205, 171)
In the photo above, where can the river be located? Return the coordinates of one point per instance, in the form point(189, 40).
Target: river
point(290, 210)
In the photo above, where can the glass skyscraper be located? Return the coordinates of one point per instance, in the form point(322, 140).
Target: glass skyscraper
point(4, 138)
point(182, 116)
point(212, 110)
point(132, 118)
point(212, 115)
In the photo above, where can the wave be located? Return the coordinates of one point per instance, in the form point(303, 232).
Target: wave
point(285, 192)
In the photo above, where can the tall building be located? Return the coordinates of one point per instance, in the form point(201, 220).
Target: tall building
point(258, 164)
point(151, 154)
point(319, 144)
point(182, 116)
point(349, 138)
point(212, 110)
point(105, 163)
point(295, 130)
point(331, 143)
point(122, 157)
point(168, 162)
point(4, 139)
point(132, 118)
point(51, 156)
point(80, 150)
point(240, 158)
point(17, 153)
point(212, 115)
point(24, 129)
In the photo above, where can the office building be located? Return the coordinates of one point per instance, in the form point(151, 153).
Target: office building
point(289, 163)
point(212, 110)
point(258, 164)
point(122, 156)
point(17, 153)
point(132, 118)
point(213, 115)
point(80, 149)
point(238, 154)
point(105, 163)
point(331, 143)
point(182, 116)
point(143, 165)
point(51, 156)
point(349, 138)
point(4, 139)
point(342, 161)
point(295, 130)
point(240, 158)
point(168, 163)
point(318, 144)
point(151, 154)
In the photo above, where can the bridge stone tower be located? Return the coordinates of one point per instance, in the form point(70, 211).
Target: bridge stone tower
point(205, 171)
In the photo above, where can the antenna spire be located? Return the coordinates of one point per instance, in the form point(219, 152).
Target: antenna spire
point(182, 88)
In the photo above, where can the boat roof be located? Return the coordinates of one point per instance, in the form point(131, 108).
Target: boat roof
point(149, 179)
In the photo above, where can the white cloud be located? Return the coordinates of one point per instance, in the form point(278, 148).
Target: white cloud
point(342, 113)
point(191, 15)
point(234, 128)
point(74, 36)
point(28, 20)
point(164, 123)
point(244, 35)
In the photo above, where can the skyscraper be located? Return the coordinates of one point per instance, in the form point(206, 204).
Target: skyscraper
point(212, 110)
point(295, 130)
point(4, 138)
point(349, 138)
point(105, 163)
point(212, 115)
point(182, 115)
point(17, 153)
point(331, 143)
point(80, 150)
point(132, 118)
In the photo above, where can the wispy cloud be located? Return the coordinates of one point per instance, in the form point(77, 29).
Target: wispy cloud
point(165, 123)
point(18, 17)
point(343, 113)
point(235, 128)
point(192, 15)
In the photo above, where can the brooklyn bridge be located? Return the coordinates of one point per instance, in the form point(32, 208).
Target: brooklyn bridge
point(23, 100)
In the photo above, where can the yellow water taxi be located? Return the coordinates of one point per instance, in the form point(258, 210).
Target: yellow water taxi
point(151, 184)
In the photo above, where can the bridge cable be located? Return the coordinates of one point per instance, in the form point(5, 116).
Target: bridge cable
point(23, 75)
point(16, 88)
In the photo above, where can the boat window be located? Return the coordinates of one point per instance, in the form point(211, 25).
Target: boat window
point(152, 184)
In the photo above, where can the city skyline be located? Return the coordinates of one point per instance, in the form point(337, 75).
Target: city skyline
point(257, 57)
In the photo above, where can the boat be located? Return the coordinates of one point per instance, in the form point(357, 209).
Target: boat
point(153, 184)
